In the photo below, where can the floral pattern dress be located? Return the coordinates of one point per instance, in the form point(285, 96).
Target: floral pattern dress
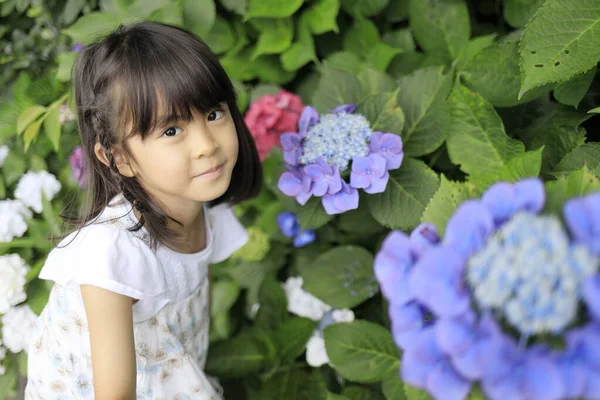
point(171, 319)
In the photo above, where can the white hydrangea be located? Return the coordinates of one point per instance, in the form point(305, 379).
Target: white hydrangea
point(2, 356)
point(302, 303)
point(32, 184)
point(18, 326)
point(316, 354)
point(13, 276)
point(65, 114)
point(13, 219)
point(3, 154)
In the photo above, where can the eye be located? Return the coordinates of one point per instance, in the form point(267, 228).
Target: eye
point(215, 115)
point(171, 131)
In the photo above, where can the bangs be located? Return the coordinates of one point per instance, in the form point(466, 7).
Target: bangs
point(164, 78)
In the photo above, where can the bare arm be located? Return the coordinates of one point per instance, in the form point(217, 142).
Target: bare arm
point(110, 321)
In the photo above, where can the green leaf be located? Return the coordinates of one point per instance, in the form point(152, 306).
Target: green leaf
point(422, 97)
point(518, 12)
point(474, 47)
point(263, 90)
point(275, 37)
point(381, 55)
point(361, 393)
point(409, 190)
point(344, 61)
point(361, 38)
point(594, 111)
point(393, 388)
point(169, 14)
point(223, 295)
point(367, 8)
point(588, 154)
point(336, 88)
point(333, 396)
point(115, 6)
point(558, 131)
point(141, 9)
point(52, 127)
point(440, 26)
point(199, 16)
point(65, 66)
point(322, 16)
point(445, 202)
point(13, 168)
point(401, 39)
point(477, 141)
point(242, 95)
point(273, 305)
point(373, 82)
point(236, 6)
point(273, 8)
point(92, 26)
point(236, 357)
point(72, 10)
point(28, 116)
point(413, 393)
point(31, 132)
point(38, 292)
point(302, 51)
point(8, 383)
point(2, 190)
point(383, 113)
point(358, 222)
point(22, 363)
point(577, 183)
point(572, 91)
point(494, 73)
point(342, 277)
point(294, 384)
point(559, 42)
point(312, 215)
point(291, 338)
point(361, 351)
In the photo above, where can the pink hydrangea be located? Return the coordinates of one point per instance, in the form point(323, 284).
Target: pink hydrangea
point(270, 116)
point(78, 167)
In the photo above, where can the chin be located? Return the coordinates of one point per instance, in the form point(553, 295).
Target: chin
point(213, 190)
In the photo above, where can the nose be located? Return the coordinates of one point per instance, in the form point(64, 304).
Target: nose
point(204, 144)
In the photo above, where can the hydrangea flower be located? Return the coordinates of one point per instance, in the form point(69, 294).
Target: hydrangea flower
point(31, 186)
point(13, 276)
point(78, 167)
point(304, 304)
point(290, 227)
point(322, 150)
point(3, 154)
point(270, 116)
point(478, 304)
point(257, 247)
point(13, 219)
point(65, 114)
point(18, 326)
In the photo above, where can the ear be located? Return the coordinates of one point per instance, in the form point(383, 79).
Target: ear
point(120, 160)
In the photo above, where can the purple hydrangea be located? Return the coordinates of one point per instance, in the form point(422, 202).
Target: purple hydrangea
point(290, 228)
point(325, 146)
point(501, 263)
point(78, 167)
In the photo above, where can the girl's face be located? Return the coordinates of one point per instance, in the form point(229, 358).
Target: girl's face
point(185, 163)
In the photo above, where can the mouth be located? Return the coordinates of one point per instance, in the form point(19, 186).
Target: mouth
point(216, 170)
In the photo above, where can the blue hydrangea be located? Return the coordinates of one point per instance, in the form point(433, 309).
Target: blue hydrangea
point(530, 271)
point(338, 138)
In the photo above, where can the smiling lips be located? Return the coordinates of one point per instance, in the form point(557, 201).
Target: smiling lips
point(211, 173)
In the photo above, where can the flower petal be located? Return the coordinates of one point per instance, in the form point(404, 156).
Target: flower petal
point(290, 184)
point(308, 118)
point(500, 200)
point(303, 197)
point(591, 295)
point(423, 238)
point(542, 380)
point(414, 370)
point(530, 195)
point(407, 322)
point(360, 181)
point(454, 335)
point(378, 164)
point(436, 281)
point(583, 218)
point(304, 238)
point(469, 228)
point(377, 185)
point(342, 201)
point(288, 224)
point(349, 108)
point(391, 267)
point(443, 382)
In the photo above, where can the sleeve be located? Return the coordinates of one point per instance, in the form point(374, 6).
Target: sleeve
point(228, 233)
point(110, 258)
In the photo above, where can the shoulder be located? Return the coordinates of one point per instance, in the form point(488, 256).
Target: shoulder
point(228, 232)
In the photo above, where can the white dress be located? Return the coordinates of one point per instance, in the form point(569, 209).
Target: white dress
point(171, 318)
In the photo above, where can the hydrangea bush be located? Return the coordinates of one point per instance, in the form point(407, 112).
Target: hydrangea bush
point(430, 200)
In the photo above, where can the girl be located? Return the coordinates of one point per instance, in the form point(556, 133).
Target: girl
point(168, 152)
